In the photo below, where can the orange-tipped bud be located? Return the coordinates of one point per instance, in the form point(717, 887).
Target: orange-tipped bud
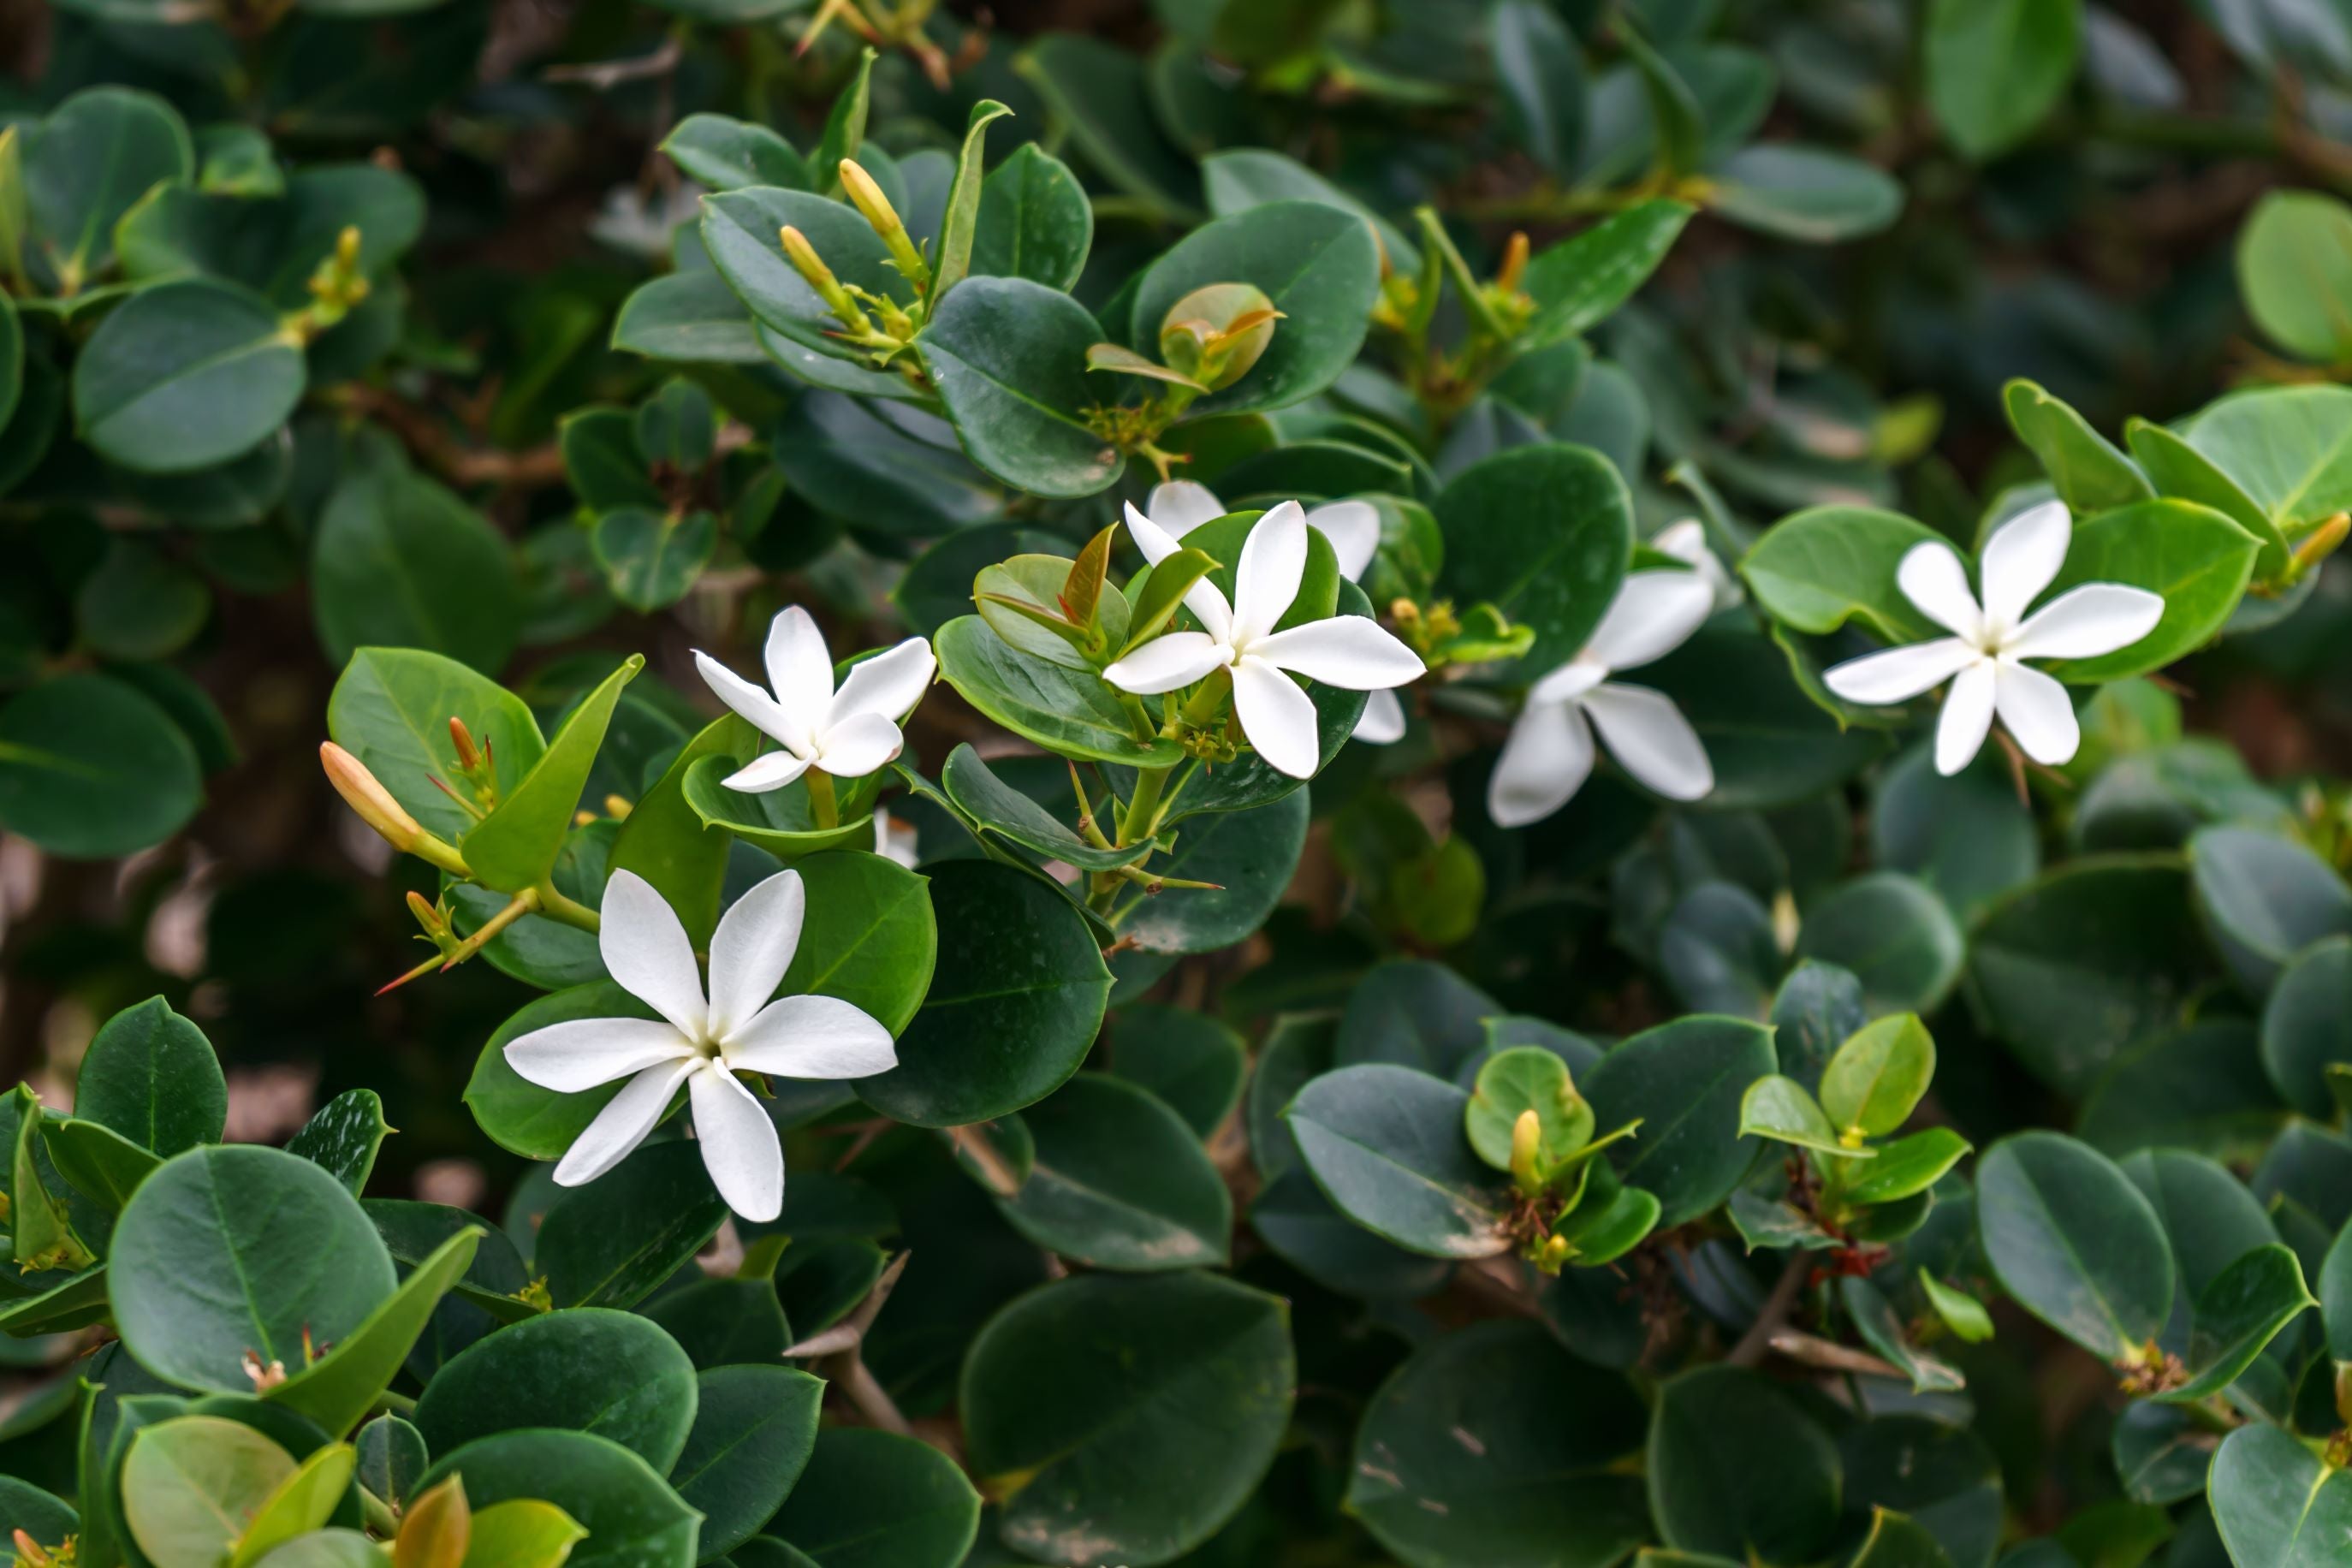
point(365, 794)
point(460, 737)
point(808, 263)
point(1514, 263)
point(867, 198)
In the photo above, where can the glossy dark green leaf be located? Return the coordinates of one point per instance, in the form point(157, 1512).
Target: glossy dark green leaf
point(1543, 533)
point(1118, 1181)
point(1014, 1002)
point(873, 1499)
point(184, 375)
point(2201, 1087)
point(1034, 220)
point(1683, 1082)
point(392, 709)
point(1822, 567)
point(1069, 712)
point(1292, 1216)
point(1248, 856)
point(1892, 934)
point(1737, 1467)
point(399, 561)
point(1996, 68)
point(754, 1429)
point(742, 229)
point(516, 845)
point(652, 559)
point(1805, 194)
point(96, 1161)
point(2075, 1242)
point(610, 1243)
point(781, 821)
point(1081, 1385)
point(1097, 93)
point(343, 1136)
point(1463, 1456)
point(633, 1518)
point(2277, 1504)
point(1239, 178)
point(90, 768)
point(230, 1252)
point(1386, 1145)
point(586, 1370)
point(94, 157)
point(2306, 1026)
point(1003, 810)
point(2246, 1306)
point(689, 318)
point(1579, 282)
point(150, 1075)
point(1194, 1064)
point(725, 154)
point(1008, 359)
point(1542, 71)
point(2265, 898)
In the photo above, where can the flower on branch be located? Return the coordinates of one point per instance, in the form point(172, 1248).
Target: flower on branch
point(1348, 651)
point(846, 733)
point(1984, 657)
point(1550, 749)
point(701, 1042)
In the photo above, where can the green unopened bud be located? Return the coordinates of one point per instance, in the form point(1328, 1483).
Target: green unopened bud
point(1214, 335)
point(868, 198)
point(819, 276)
point(1527, 1147)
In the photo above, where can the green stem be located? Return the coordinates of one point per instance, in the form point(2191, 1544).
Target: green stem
point(822, 806)
point(556, 906)
point(1143, 807)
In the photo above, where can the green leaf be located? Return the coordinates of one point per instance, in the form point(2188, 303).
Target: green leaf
point(1906, 1166)
point(522, 1117)
point(1005, 811)
point(725, 154)
point(2181, 472)
point(1523, 1078)
point(611, 1243)
point(1894, 934)
point(1248, 856)
point(741, 230)
point(1542, 71)
point(1240, 178)
point(1118, 1181)
point(872, 1499)
point(1882, 1330)
point(653, 559)
point(1578, 283)
point(1997, 67)
point(956, 226)
point(141, 604)
point(1315, 265)
point(613, 1373)
point(1163, 593)
point(190, 1484)
point(1008, 358)
point(845, 125)
point(780, 821)
point(90, 768)
point(754, 1429)
point(343, 1136)
point(1738, 1468)
point(632, 1518)
point(2073, 1241)
point(2197, 558)
point(1386, 1145)
point(392, 709)
point(515, 847)
point(1685, 1082)
point(2277, 1504)
point(150, 1075)
point(1292, 1216)
point(1034, 221)
point(399, 561)
point(2307, 1026)
point(345, 1383)
point(2247, 1306)
point(184, 375)
point(1071, 713)
point(1817, 569)
point(522, 1532)
point(1014, 1002)
point(1779, 1108)
point(99, 1163)
point(1879, 1075)
point(2265, 898)
point(1098, 95)
point(24, 1507)
point(1194, 1064)
point(1894, 1541)
point(1804, 194)
point(1417, 1015)
point(237, 1251)
point(1462, 1458)
point(1079, 1386)
point(1543, 533)
point(86, 165)
point(2289, 448)
point(1963, 1313)
point(690, 317)
point(2201, 1088)
point(2294, 272)
point(300, 1504)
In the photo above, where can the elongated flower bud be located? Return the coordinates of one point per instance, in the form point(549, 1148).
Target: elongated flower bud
point(819, 276)
point(364, 793)
point(868, 198)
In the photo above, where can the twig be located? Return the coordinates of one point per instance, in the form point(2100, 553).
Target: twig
point(1814, 1351)
point(839, 1354)
point(972, 1142)
point(1773, 1315)
point(604, 75)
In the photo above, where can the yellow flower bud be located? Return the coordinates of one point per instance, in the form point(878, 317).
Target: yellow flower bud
point(364, 793)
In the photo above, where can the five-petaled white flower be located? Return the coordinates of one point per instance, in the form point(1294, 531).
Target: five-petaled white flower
point(698, 1043)
point(1982, 657)
point(1348, 651)
point(1549, 753)
point(1353, 527)
point(847, 733)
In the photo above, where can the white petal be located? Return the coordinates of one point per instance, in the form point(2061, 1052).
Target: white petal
point(2085, 622)
point(1180, 506)
point(1654, 613)
point(739, 1148)
point(1651, 739)
point(1277, 717)
point(2035, 710)
point(800, 667)
point(1899, 674)
point(1687, 541)
point(585, 1052)
point(1203, 598)
point(1967, 718)
point(763, 712)
point(773, 770)
point(1352, 651)
point(753, 948)
point(2022, 558)
point(1168, 662)
point(1545, 762)
point(645, 948)
point(1353, 527)
point(1381, 723)
point(1932, 577)
point(813, 1036)
point(855, 747)
point(1273, 559)
point(890, 683)
point(623, 1124)
point(1569, 681)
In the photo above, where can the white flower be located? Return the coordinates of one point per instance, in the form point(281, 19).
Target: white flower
point(697, 1043)
point(847, 733)
point(1687, 541)
point(893, 840)
point(1549, 753)
point(1983, 656)
point(1353, 527)
point(1348, 651)
point(1382, 721)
